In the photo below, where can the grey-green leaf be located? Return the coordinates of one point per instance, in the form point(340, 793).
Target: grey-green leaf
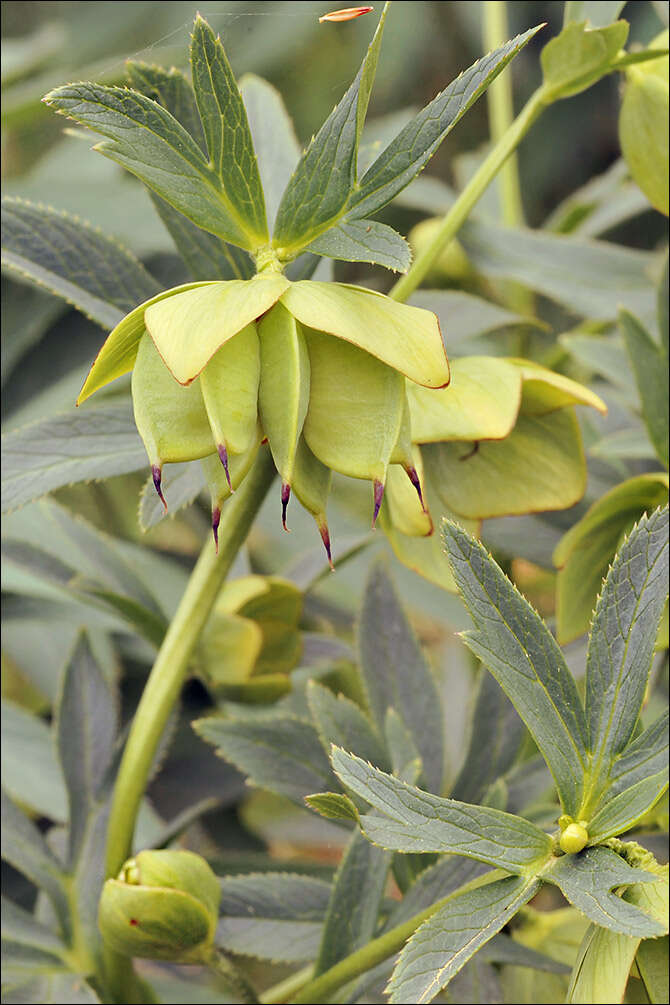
point(649, 362)
point(418, 821)
point(414, 145)
point(86, 718)
point(224, 121)
point(515, 645)
point(587, 880)
point(645, 756)
point(340, 721)
point(80, 446)
point(396, 674)
point(596, 12)
point(181, 484)
point(355, 901)
point(24, 847)
point(364, 241)
point(30, 771)
point(274, 916)
point(277, 148)
point(326, 173)
point(144, 138)
point(74, 261)
point(444, 943)
point(280, 753)
point(622, 641)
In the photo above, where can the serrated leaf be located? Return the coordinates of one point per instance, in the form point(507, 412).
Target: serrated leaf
point(587, 879)
point(515, 645)
point(224, 121)
point(495, 718)
point(579, 56)
point(649, 363)
point(621, 644)
point(444, 943)
point(149, 142)
point(355, 901)
point(340, 721)
point(364, 241)
point(172, 90)
point(30, 772)
point(332, 805)
point(406, 762)
point(274, 916)
point(326, 173)
point(86, 726)
point(396, 674)
point(73, 260)
point(645, 756)
point(585, 552)
point(414, 820)
point(82, 446)
point(24, 847)
point(539, 466)
point(279, 753)
point(621, 813)
point(414, 145)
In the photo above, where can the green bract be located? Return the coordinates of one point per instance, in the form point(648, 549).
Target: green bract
point(319, 369)
point(163, 905)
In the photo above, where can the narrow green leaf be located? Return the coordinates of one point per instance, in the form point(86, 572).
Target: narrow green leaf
point(24, 847)
point(27, 314)
point(364, 241)
point(414, 820)
point(355, 901)
point(73, 260)
point(580, 56)
point(444, 943)
point(539, 466)
point(584, 554)
point(406, 762)
point(326, 173)
point(280, 753)
point(645, 756)
point(652, 965)
point(277, 148)
point(622, 812)
point(30, 772)
point(414, 145)
point(64, 449)
point(86, 726)
point(587, 879)
point(224, 121)
point(340, 721)
point(650, 364)
point(396, 674)
point(144, 138)
point(274, 916)
point(621, 644)
point(495, 718)
point(516, 646)
point(332, 805)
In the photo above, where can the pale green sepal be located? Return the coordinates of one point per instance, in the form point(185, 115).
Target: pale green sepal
point(229, 385)
point(481, 403)
point(404, 506)
point(405, 338)
point(311, 481)
point(355, 408)
point(546, 391)
point(171, 419)
point(284, 389)
point(402, 452)
point(191, 327)
point(580, 56)
point(119, 351)
point(238, 468)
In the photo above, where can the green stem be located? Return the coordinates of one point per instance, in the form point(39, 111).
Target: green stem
point(461, 209)
point(321, 988)
point(284, 990)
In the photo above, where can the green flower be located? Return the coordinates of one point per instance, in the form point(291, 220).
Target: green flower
point(319, 369)
point(164, 905)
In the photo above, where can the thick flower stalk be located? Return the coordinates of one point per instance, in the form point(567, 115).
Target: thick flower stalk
point(317, 369)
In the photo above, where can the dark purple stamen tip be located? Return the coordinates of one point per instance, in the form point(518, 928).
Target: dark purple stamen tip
point(223, 455)
point(379, 495)
point(414, 478)
point(325, 537)
point(216, 519)
point(285, 496)
point(156, 475)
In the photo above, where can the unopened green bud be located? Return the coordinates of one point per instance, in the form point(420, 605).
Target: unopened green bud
point(573, 839)
point(643, 126)
point(164, 905)
point(452, 266)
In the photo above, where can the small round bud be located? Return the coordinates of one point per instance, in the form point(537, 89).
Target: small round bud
point(163, 906)
point(573, 839)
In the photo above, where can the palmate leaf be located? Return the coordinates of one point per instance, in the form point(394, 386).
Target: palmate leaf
point(621, 645)
point(514, 644)
point(444, 943)
point(322, 182)
point(417, 821)
point(74, 261)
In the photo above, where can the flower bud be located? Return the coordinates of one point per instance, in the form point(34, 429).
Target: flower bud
point(573, 839)
point(164, 905)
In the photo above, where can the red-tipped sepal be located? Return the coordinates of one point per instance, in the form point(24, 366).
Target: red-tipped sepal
point(378, 496)
point(156, 472)
point(216, 520)
point(285, 496)
point(223, 457)
point(413, 476)
point(325, 537)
